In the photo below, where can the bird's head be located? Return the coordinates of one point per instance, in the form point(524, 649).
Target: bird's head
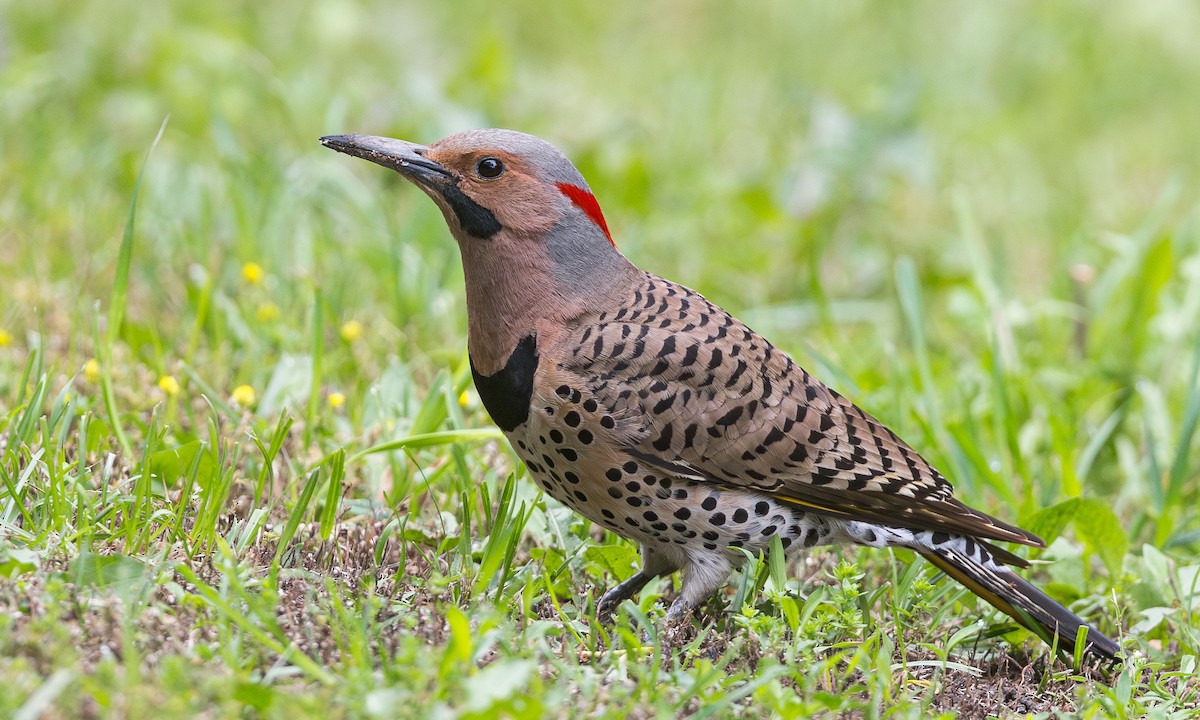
point(533, 240)
point(491, 181)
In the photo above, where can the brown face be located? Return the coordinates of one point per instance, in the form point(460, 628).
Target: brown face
point(486, 181)
point(501, 182)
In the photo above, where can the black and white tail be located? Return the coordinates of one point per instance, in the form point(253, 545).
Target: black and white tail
point(971, 563)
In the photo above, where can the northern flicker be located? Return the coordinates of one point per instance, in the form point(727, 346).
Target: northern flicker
point(649, 410)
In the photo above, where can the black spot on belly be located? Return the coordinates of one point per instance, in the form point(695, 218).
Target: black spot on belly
point(506, 394)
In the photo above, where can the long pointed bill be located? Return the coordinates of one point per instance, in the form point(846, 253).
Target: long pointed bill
point(404, 157)
point(409, 160)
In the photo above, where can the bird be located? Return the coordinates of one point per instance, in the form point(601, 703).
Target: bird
point(654, 413)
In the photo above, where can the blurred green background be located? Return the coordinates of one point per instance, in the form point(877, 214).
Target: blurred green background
point(778, 156)
point(978, 220)
point(771, 153)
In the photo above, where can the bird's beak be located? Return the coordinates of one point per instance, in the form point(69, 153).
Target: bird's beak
point(409, 159)
point(404, 157)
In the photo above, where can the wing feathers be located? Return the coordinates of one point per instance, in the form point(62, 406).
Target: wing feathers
point(702, 397)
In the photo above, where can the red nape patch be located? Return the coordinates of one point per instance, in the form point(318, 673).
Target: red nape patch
point(586, 202)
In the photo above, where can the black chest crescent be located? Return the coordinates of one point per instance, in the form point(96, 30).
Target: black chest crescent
point(507, 394)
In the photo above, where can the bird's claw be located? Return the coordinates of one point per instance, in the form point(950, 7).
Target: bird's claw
point(609, 601)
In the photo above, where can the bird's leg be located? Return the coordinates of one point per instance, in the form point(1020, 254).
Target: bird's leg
point(614, 597)
point(701, 578)
point(679, 611)
point(653, 565)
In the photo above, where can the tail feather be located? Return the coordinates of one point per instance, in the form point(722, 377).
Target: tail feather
point(1015, 596)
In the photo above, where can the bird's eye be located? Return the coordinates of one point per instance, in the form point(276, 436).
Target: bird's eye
point(489, 168)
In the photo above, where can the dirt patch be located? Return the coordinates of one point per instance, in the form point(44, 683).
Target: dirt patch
point(360, 571)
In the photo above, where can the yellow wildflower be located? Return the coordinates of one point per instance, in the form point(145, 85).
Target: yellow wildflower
point(464, 398)
point(352, 330)
point(253, 273)
point(5, 338)
point(169, 385)
point(243, 395)
point(91, 371)
point(267, 312)
point(336, 400)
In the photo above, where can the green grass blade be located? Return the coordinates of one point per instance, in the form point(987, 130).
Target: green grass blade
point(333, 494)
point(296, 514)
point(120, 289)
point(431, 439)
point(318, 345)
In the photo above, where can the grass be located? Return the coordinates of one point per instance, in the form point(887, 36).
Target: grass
point(242, 468)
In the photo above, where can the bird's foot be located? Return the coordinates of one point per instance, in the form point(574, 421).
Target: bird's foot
point(677, 629)
point(678, 613)
point(609, 601)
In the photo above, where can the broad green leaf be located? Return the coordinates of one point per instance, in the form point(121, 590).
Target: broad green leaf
point(1157, 564)
point(252, 694)
point(497, 682)
point(17, 561)
point(1049, 523)
point(166, 466)
point(1100, 530)
point(118, 575)
point(617, 560)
